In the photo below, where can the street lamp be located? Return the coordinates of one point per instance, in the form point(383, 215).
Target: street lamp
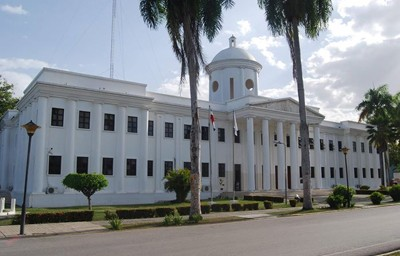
point(345, 151)
point(30, 130)
point(286, 181)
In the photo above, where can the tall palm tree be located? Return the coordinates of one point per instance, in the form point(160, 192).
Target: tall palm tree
point(185, 21)
point(284, 18)
point(379, 111)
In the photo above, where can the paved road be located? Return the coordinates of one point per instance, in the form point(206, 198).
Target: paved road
point(355, 232)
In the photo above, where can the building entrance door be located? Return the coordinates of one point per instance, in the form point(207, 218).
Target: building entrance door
point(238, 178)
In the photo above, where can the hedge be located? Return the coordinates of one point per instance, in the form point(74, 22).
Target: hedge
point(54, 217)
point(220, 207)
point(275, 199)
point(135, 213)
point(164, 211)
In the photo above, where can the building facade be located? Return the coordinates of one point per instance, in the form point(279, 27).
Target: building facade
point(92, 124)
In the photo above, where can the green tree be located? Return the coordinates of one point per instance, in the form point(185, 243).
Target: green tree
point(284, 18)
point(7, 101)
point(178, 181)
point(88, 184)
point(185, 21)
point(378, 109)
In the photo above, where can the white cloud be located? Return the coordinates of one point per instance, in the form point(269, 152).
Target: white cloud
point(14, 9)
point(244, 27)
point(19, 63)
point(19, 80)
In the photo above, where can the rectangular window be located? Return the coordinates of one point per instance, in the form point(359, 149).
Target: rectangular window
point(82, 164)
point(323, 172)
point(364, 172)
point(84, 119)
point(339, 144)
point(150, 128)
point(300, 172)
point(168, 166)
point(187, 165)
point(354, 146)
point(54, 164)
point(237, 137)
point(221, 134)
point(311, 141)
point(362, 147)
point(204, 133)
point(150, 168)
point(204, 170)
point(109, 122)
point(331, 147)
point(299, 141)
point(332, 172)
point(372, 172)
point(355, 173)
point(108, 166)
point(288, 141)
point(321, 144)
point(232, 88)
point(379, 173)
point(186, 131)
point(132, 124)
point(370, 148)
point(57, 117)
point(130, 167)
point(169, 130)
point(312, 172)
point(341, 172)
point(221, 170)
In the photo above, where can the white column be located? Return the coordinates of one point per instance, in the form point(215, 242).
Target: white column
point(144, 142)
point(317, 157)
point(4, 158)
point(38, 147)
point(159, 162)
point(70, 128)
point(250, 154)
point(281, 156)
point(95, 159)
point(266, 156)
point(120, 156)
point(294, 163)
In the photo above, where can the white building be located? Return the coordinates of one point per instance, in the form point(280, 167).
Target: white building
point(118, 128)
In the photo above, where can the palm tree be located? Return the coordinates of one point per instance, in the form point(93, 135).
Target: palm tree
point(379, 111)
point(185, 21)
point(284, 18)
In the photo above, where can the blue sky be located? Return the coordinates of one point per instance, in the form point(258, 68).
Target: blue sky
point(359, 50)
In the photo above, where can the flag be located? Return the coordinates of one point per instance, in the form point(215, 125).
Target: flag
point(212, 119)
point(235, 127)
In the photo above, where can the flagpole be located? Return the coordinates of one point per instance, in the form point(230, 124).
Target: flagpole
point(209, 149)
point(234, 134)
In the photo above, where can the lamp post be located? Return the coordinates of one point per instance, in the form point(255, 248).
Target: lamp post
point(286, 181)
point(30, 130)
point(345, 151)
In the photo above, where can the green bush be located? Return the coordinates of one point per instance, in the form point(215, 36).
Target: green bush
point(178, 181)
point(376, 197)
point(220, 207)
point(236, 207)
point(195, 218)
point(109, 215)
point(205, 208)
point(164, 211)
point(335, 201)
point(250, 206)
point(135, 213)
point(268, 204)
point(364, 187)
point(293, 202)
point(275, 199)
point(173, 219)
point(183, 210)
point(342, 191)
point(394, 192)
point(54, 217)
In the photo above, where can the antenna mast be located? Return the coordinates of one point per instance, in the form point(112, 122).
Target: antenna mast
point(113, 17)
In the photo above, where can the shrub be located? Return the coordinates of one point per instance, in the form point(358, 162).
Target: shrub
point(293, 202)
point(109, 215)
point(342, 191)
point(135, 213)
point(394, 192)
point(195, 218)
point(173, 219)
point(376, 197)
point(54, 217)
point(178, 181)
point(205, 208)
point(164, 211)
point(335, 201)
point(275, 199)
point(220, 207)
point(268, 204)
point(236, 207)
point(183, 210)
point(364, 187)
point(250, 206)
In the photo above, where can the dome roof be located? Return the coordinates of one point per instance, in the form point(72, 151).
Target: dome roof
point(233, 53)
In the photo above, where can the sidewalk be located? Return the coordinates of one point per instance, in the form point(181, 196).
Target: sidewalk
point(12, 231)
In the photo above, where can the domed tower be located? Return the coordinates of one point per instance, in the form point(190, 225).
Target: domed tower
point(233, 73)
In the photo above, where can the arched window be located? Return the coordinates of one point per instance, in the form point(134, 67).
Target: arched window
point(215, 86)
point(249, 84)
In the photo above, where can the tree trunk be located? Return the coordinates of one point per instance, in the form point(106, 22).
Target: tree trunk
point(195, 180)
point(304, 133)
point(89, 203)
